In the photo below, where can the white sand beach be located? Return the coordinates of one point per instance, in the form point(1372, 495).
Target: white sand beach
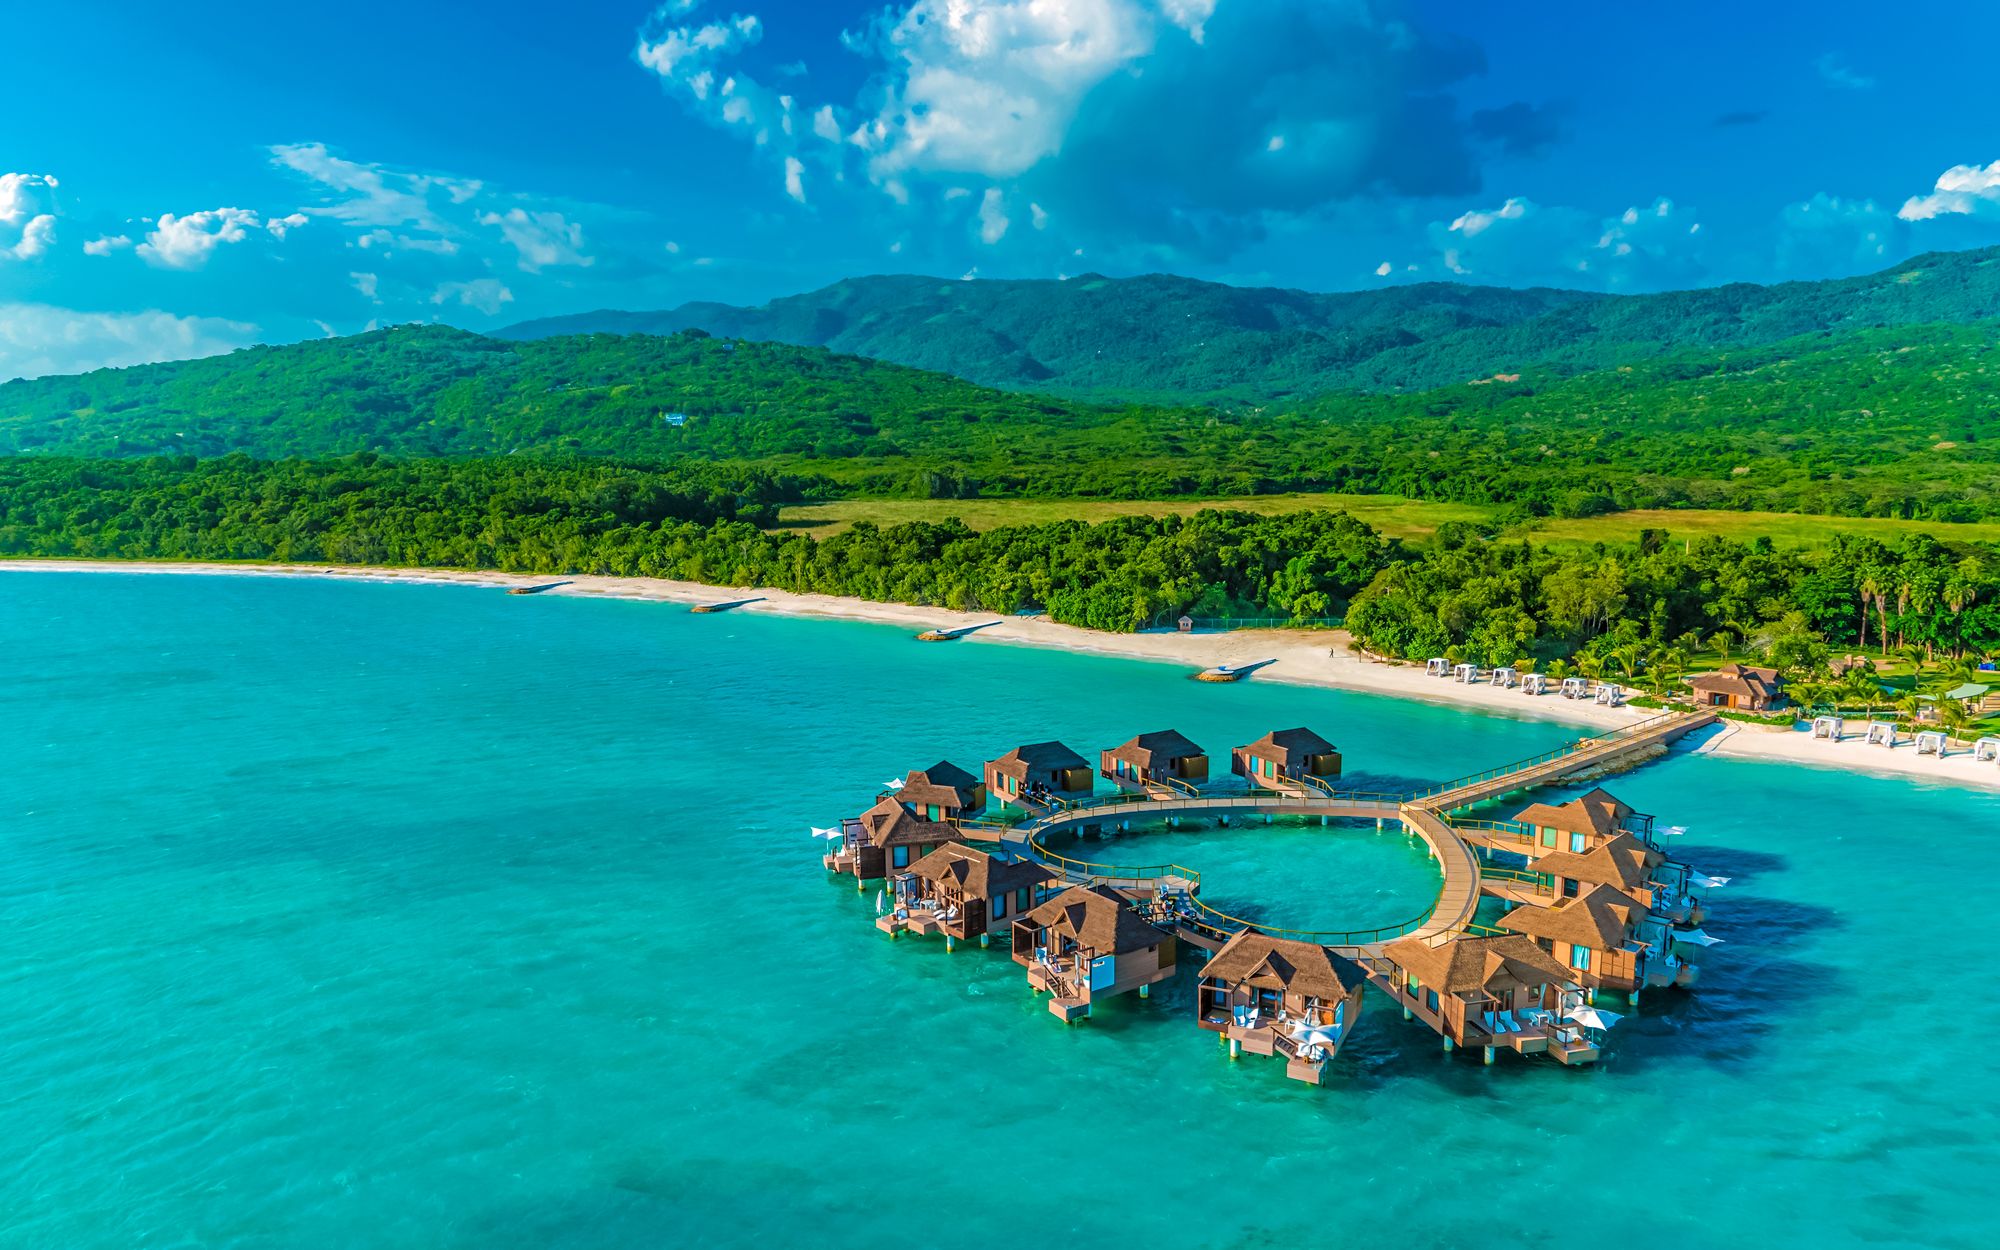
point(1303, 657)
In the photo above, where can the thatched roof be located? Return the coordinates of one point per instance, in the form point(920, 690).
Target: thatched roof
point(977, 874)
point(1477, 963)
point(1598, 918)
point(1289, 746)
point(1597, 813)
point(1097, 919)
point(1268, 963)
point(1045, 757)
point(889, 823)
point(1624, 861)
point(943, 783)
point(1155, 750)
point(1741, 680)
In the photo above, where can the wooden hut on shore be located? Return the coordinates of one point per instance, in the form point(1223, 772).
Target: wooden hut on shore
point(944, 791)
point(1276, 996)
point(1494, 993)
point(1285, 755)
point(1164, 758)
point(1740, 687)
point(887, 838)
point(1033, 774)
point(1087, 943)
point(965, 893)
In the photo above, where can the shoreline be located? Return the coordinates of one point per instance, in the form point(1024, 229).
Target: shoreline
point(1317, 658)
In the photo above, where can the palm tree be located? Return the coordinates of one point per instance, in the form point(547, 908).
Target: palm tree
point(1525, 665)
point(1558, 670)
point(1590, 666)
point(1720, 642)
point(1955, 719)
point(1870, 592)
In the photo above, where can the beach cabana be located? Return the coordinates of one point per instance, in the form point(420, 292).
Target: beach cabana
point(1465, 673)
point(1741, 687)
point(1031, 775)
point(1931, 742)
point(1882, 732)
point(1827, 727)
point(1506, 678)
point(1575, 687)
point(965, 893)
point(1437, 666)
point(886, 839)
point(1285, 756)
point(944, 791)
point(1087, 943)
point(1986, 749)
point(1603, 936)
point(1490, 992)
point(1164, 759)
point(1274, 996)
point(1609, 693)
point(1535, 683)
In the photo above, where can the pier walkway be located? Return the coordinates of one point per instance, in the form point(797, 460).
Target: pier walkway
point(1175, 889)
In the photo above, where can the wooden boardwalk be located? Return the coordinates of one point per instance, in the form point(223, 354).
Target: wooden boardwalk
point(1425, 816)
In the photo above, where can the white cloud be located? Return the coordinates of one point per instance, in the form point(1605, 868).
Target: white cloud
point(27, 215)
point(1038, 216)
point(281, 226)
point(540, 239)
point(795, 179)
point(1477, 222)
point(484, 294)
point(39, 339)
point(1835, 73)
point(1189, 15)
point(682, 51)
point(374, 195)
point(187, 242)
point(992, 216)
point(1967, 189)
point(1384, 269)
point(107, 244)
point(370, 285)
point(1521, 242)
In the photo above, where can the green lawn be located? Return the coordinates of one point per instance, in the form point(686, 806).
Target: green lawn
point(1393, 515)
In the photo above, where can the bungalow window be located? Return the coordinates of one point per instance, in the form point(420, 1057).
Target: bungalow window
point(999, 906)
point(1579, 958)
point(1576, 843)
point(1548, 837)
point(1569, 887)
point(1021, 898)
point(1431, 1000)
point(901, 857)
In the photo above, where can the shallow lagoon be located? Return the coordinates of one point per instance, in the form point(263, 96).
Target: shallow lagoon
point(338, 914)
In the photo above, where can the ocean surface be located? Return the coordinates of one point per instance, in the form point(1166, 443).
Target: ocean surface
point(348, 915)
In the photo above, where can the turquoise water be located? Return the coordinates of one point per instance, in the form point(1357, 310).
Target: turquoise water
point(351, 915)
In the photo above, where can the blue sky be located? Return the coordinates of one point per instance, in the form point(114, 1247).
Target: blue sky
point(182, 183)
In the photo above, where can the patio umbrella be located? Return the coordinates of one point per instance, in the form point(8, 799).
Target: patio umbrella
point(893, 783)
point(881, 901)
point(825, 833)
point(1695, 937)
point(1674, 831)
point(1592, 1018)
point(1707, 883)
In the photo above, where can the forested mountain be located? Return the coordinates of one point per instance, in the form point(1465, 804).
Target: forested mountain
point(1899, 422)
point(1170, 339)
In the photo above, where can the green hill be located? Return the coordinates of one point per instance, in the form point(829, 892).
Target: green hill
point(1170, 339)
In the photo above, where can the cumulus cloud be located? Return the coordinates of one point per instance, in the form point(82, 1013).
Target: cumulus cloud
point(483, 294)
point(27, 215)
point(279, 227)
point(540, 239)
point(1647, 247)
point(187, 242)
point(105, 245)
point(38, 339)
point(795, 179)
point(1962, 189)
point(993, 221)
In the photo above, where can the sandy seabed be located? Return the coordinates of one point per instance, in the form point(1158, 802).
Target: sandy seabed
point(1301, 657)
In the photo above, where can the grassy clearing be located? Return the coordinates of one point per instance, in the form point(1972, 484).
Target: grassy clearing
point(1393, 515)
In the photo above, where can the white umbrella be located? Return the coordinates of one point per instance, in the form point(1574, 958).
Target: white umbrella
point(881, 901)
point(1592, 1018)
point(1707, 883)
point(1674, 831)
point(825, 833)
point(893, 784)
point(1695, 937)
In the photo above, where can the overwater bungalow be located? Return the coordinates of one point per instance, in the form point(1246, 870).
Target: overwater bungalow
point(1285, 755)
point(1740, 687)
point(1494, 993)
point(1607, 939)
point(1275, 996)
point(944, 791)
point(1579, 825)
point(887, 838)
point(1034, 774)
point(1087, 943)
point(1627, 865)
point(1165, 759)
point(965, 893)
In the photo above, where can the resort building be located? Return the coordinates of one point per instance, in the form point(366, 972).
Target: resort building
point(887, 838)
point(965, 893)
point(1274, 996)
point(1165, 759)
point(1087, 943)
point(1627, 865)
point(1606, 938)
point(1494, 993)
point(1740, 687)
point(1034, 774)
point(1580, 825)
point(1285, 755)
point(944, 791)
